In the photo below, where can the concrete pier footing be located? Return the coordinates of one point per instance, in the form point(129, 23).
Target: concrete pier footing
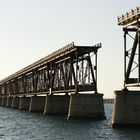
point(74, 105)
point(126, 110)
point(0, 100)
point(86, 105)
point(24, 103)
point(9, 102)
point(15, 102)
point(37, 103)
point(56, 104)
point(4, 101)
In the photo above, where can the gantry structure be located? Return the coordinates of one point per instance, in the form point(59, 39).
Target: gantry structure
point(130, 21)
point(69, 69)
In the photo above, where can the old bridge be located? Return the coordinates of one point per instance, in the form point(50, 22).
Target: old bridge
point(54, 84)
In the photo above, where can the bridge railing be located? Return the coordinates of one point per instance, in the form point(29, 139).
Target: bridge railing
point(130, 18)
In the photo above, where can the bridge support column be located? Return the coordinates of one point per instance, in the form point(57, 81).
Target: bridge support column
point(24, 103)
point(0, 101)
point(86, 105)
point(4, 100)
point(9, 101)
point(37, 103)
point(126, 110)
point(15, 102)
point(56, 104)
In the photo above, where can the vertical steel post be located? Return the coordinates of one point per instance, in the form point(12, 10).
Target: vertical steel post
point(24, 83)
point(10, 87)
point(16, 86)
point(138, 52)
point(44, 79)
point(82, 69)
point(76, 84)
point(125, 54)
point(88, 66)
point(95, 71)
point(51, 79)
point(34, 76)
point(5, 88)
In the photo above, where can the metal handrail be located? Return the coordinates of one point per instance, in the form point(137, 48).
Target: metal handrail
point(129, 17)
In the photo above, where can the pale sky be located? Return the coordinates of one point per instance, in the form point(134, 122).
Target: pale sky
point(32, 29)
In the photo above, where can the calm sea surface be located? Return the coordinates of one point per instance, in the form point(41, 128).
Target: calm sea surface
point(23, 125)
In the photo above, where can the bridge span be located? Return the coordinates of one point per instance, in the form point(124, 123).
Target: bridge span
point(62, 82)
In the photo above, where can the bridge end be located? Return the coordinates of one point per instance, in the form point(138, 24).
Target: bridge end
point(126, 109)
point(86, 106)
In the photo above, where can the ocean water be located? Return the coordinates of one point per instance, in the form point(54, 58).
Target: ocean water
point(22, 125)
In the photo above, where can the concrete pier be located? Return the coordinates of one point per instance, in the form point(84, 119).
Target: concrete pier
point(4, 100)
point(0, 100)
point(9, 101)
point(86, 105)
point(126, 110)
point(37, 103)
point(56, 104)
point(24, 103)
point(15, 102)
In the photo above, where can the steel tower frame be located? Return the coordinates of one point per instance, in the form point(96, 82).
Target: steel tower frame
point(131, 27)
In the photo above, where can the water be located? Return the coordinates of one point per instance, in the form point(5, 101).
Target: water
point(23, 125)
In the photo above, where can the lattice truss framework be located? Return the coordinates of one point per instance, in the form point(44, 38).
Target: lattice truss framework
point(131, 59)
point(131, 27)
point(70, 69)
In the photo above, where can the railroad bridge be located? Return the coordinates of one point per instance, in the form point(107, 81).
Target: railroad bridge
point(62, 82)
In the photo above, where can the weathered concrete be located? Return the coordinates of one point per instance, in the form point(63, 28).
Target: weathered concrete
point(0, 101)
point(126, 110)
point(15, 102)
point(24, 103)
point(56, 104)
point(37, 103)
point(4, 101)
point(86, 105)
point(9, 101)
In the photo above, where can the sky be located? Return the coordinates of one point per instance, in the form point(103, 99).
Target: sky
point(32, 29)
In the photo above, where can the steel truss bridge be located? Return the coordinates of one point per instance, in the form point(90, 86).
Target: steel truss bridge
point(69, 69)
point(131, 27)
